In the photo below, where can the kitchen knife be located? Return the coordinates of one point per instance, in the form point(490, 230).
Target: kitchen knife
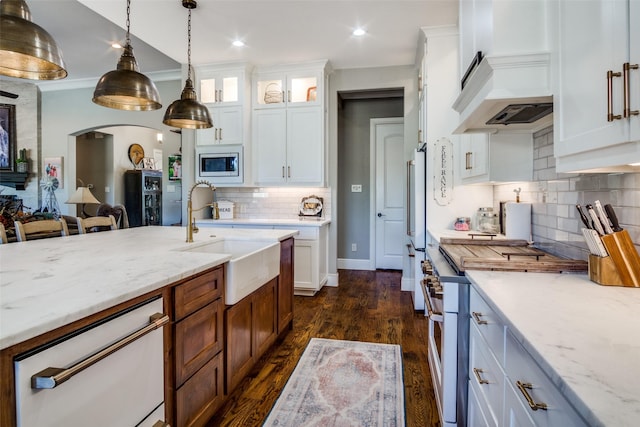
point(594, 242)
point(590, 244)
point(595, 220)
point(583, 217)
point(604, 219)
point(612, 217)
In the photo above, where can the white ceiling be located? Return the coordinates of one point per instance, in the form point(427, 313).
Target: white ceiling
point(274, 31)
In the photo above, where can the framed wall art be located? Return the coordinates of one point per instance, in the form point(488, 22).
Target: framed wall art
point(175, 167)
point(52, 168)
point(7, 137)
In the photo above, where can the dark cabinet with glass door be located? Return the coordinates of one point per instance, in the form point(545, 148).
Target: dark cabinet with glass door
point(143, 197)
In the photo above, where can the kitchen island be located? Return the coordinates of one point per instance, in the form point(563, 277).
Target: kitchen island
point(584, 336)
point(52, 287)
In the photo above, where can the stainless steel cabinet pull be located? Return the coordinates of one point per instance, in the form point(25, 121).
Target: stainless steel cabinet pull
point(52, 377)
point(610, 116)
point(481, 380)
point(626, 67)
point(216, 135)
point(220, 135)
point(283, 171)
point(288, 95)
point(288, 171)
point(532, 404)
point(468, 164)
point(220, 96)
point(477, 316)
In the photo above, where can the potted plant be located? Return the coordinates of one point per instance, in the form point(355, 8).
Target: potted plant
point(22, 163)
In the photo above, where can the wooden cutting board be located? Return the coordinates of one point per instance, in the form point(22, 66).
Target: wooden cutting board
point(504, 255)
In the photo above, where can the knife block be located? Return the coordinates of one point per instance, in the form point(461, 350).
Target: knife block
point(603, 271)
point(624, 256)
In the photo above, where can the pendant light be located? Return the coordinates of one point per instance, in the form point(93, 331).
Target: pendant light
point(187, 112)
point(27, 51)
point(125, 88)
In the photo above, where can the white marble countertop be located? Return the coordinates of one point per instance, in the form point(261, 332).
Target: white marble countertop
point(585, 336)
point(307, 222)
point(48, 283)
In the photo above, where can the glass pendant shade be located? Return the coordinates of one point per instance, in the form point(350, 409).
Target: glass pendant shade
point(125, 88)
point(187, 112)
point(27, 51)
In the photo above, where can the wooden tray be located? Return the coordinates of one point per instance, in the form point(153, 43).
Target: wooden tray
point(504, 255)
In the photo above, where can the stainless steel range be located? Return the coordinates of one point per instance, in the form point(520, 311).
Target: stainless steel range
point(446, 298)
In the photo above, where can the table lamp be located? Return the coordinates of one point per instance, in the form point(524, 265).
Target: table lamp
point(83, 196)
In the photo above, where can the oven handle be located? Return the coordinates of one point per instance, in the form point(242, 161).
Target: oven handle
point(51, 377)
point(433, 315)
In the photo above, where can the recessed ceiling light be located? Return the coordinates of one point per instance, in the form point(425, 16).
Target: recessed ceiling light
point(116, 45)
point(238, 43)
point(359, 32)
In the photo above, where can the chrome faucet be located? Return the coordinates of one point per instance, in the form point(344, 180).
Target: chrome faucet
point(191, 226)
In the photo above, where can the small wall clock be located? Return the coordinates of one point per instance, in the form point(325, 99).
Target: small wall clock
point(136, 153)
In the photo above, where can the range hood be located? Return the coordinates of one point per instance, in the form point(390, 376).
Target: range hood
point(507, 92)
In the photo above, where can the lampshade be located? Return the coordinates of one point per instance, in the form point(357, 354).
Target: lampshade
point(125, 88)
point(187, 112)
point(82, 196)
point(27, 51)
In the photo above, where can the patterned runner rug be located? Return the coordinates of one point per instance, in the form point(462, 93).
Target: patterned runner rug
point(343, 383)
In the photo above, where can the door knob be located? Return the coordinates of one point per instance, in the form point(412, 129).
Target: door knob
point(380, 215)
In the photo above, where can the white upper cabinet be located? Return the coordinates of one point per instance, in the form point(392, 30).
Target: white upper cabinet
point(289, 121)
point(594, 87)
point(501, 157)
point(224, 90)
point(288, 88)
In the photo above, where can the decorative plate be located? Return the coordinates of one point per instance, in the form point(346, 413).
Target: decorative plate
point(311, 206)
point(136, 153)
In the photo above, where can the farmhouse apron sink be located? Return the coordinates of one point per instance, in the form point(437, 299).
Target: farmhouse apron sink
point(252, 264)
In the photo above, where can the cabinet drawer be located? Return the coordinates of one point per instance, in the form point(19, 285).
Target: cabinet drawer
point(477, 408)
point(198, 338)
point(199, 398)
point(486, 376)
point(197, 292)
point(489, 324)
point(520, 366)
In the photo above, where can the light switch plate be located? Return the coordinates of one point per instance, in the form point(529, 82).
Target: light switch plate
point(356, 188)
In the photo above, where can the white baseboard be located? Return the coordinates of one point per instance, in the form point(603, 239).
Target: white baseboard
point(354, 264)
point(407, 284)
point(332, 280)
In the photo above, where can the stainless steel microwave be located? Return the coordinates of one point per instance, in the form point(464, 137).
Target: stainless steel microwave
point(220, 164)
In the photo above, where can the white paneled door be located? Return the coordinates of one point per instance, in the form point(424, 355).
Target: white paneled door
point(390, 229)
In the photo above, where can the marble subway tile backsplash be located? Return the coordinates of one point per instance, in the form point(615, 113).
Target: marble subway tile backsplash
point(272, 202)
point(556, 225)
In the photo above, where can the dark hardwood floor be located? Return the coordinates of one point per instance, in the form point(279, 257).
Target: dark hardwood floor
point(367, 306)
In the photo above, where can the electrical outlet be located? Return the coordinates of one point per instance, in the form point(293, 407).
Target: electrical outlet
point(356, 188)
point(354, 247)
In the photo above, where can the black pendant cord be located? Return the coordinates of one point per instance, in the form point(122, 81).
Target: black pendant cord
point(127, 40)
point(189, 46)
